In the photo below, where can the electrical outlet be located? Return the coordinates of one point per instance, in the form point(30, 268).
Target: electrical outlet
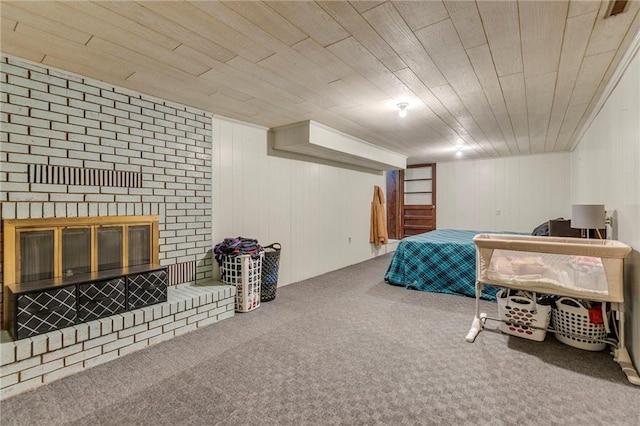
point(498, 212)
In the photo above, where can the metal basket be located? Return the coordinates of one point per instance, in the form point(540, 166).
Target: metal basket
point(270, 266)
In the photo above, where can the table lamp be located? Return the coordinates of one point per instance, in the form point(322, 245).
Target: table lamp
point(588, 216)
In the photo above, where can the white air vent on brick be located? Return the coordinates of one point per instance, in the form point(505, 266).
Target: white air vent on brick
point(317, 140)
point(61, 175)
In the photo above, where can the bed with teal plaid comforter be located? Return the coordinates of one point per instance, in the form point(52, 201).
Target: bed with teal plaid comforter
point(440, 261)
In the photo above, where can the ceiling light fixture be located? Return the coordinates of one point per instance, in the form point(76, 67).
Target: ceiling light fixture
point(458, 153)
point(403, 109)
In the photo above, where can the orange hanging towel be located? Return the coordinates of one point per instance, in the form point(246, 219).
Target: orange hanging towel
point(378, 234)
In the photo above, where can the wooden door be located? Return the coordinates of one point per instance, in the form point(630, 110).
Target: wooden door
point(411, 201)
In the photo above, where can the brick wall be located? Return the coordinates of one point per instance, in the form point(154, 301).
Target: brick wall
point(143, 156)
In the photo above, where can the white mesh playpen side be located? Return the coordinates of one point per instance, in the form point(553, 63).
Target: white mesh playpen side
point(575, 267)
point(244, 272)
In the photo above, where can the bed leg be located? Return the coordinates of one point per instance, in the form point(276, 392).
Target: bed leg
point(620, 354)
point(478, 321)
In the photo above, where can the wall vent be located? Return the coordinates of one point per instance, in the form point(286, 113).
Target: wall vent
point(62, 175)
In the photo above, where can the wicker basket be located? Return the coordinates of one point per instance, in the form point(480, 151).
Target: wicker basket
point(270, 265)
point(574, 328)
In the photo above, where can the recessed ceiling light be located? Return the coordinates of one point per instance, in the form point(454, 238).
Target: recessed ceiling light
point(403, 109)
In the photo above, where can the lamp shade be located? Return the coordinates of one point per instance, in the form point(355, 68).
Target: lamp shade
point(587, 216)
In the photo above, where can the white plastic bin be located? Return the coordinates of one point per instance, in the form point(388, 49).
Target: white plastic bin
point(244, 272)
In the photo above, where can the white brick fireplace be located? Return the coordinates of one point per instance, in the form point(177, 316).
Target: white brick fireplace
point(76, 147)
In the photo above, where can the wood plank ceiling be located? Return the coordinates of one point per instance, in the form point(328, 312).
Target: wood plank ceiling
point(496, 78)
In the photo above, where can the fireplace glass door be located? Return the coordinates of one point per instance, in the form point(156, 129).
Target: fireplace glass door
point(109, 247)
point(36, 255)
point(76, 251)
point(139, 245)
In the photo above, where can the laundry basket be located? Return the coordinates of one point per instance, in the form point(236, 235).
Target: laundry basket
point(521, 311)
point(270, 266)
point(570, 319)
point(244, 272)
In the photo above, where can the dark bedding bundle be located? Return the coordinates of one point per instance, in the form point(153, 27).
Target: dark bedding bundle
point(237, 247)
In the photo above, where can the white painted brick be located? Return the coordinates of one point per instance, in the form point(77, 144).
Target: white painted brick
point(207, 321)
point(101, 359)
point(23, 349)
point(41, 369)
point(217, 311)
point(39, 344)
point(128, 107)
point(99, 341)
point(15, 70)
point(115, 96)
point(29, 121)
point(20, 365)
point(185, 314)
point(118, 344)
point(166, 310)
point(9, 380)
point(26, 82)
point(157, 311)
point(99, 100)
point(198, 317)
point(148, 334)
point(54, 337)
point(148, 313)
point(15, 128)
point(15, 109)
point(65, 127)
point(47, 133)
point(61, 210)
point(141, 103)
point(94, 329)
point(132, 330)
point(74, 103)
point(118, 322)
point(48, 79)
point(20, 387)
point(48, 97)
point(85, 88)
point(82, 332)
point(227, 301)
point(61, 353)
point(82, 356)
point(91, 125)
point(174, 324)
point(7, 351)
point(101, 117)
point(161, 338)
point(78, 112)
point(67, 93)
point(138, 317)
point(228, 314)
point(160, 322)
point(106, 325)
point(186, 329)
point(63, 372)
point(132, 348)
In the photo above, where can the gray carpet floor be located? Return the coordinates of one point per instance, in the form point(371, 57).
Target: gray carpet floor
point(343, 348)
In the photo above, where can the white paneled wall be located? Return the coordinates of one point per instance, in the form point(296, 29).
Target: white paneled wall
point(503, 194)
point(311, 209)
point(606, 170)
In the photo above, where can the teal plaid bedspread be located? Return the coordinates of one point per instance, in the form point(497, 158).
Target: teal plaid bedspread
point(441, 261)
